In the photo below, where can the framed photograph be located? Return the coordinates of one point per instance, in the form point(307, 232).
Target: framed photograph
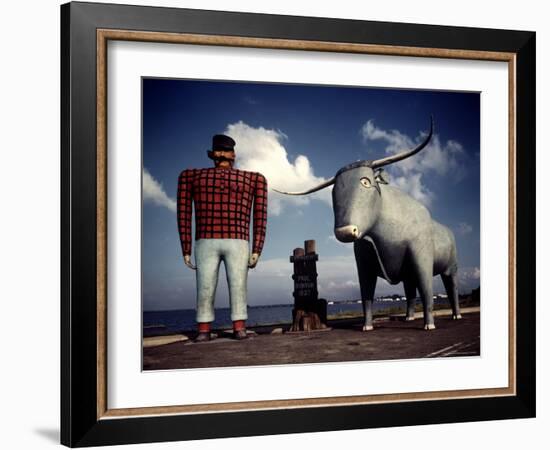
point(356, 181)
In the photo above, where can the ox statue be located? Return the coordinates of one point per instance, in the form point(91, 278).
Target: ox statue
point(393, 235)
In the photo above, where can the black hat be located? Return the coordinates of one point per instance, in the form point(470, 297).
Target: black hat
point(223, 142)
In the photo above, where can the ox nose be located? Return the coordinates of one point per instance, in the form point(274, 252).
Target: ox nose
point(348, 233)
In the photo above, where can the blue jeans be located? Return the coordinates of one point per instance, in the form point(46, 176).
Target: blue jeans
point(209, 253)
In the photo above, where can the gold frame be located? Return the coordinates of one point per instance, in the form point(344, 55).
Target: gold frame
point(103, 36)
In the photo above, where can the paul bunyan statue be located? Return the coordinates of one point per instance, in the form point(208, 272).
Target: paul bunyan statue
point(224, 199)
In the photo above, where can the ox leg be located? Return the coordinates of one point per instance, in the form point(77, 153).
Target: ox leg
point(451, 287)
point(368, 286)
point(423, 262)
point(410, 293)
point(367, 281)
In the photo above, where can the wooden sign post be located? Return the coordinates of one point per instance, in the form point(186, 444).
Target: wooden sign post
point(310, 312)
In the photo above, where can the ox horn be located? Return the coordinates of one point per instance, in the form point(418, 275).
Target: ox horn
point(309, 191)
point(400, 156)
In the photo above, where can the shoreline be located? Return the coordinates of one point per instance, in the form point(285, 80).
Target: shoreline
point(159, 329)
point(263, 329)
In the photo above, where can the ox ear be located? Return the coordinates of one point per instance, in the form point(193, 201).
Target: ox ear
point(380, 176)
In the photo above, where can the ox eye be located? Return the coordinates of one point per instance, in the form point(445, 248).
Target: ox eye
point(366, 182)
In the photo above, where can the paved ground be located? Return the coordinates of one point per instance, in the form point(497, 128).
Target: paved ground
point(391, 339)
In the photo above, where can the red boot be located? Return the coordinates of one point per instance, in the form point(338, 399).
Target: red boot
point(239, 330)
point(204, 332)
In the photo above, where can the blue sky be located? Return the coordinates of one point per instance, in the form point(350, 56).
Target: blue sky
point(298, 136)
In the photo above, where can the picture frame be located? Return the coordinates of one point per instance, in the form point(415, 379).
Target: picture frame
point(86, 28)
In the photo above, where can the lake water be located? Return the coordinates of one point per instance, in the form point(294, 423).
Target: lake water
point(176, 321)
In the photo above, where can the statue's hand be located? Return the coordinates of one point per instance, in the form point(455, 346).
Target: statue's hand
point(253, 260)
point(188, 263)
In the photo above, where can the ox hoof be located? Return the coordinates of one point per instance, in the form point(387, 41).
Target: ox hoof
point(457, 316)
point(409, 318)
point(430, 326)
point(368, 328)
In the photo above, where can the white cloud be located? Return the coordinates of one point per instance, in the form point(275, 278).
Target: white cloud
point(250, 100)
point(332, 239)
point(262, 150)
point(276, 267)
point(259, 150)
point(468, 279)
point(395, 138)
point(337, 280)
point(154, 193)
point(464, 228)
point(414, 187)
point(469, 273)
point(442, 159)
point(342, 284)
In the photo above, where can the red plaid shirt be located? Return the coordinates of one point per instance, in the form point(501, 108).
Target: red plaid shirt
point(223, 201)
